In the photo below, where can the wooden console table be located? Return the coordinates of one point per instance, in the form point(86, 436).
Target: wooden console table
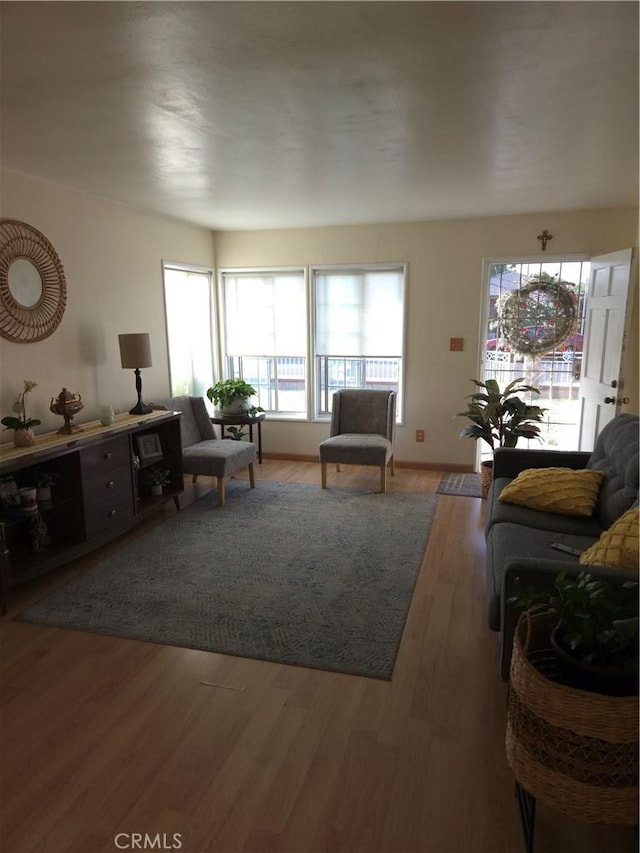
point(96, 496)
point(243, 420)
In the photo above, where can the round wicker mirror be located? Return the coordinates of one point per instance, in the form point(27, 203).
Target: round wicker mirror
point(33, 289)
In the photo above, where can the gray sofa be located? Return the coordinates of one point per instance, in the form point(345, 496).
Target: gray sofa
point(519, 539)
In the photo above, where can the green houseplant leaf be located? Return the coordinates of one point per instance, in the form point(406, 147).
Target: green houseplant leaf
point(154, 476)
point(500, 417)
point(228, 391)
point(597, 618)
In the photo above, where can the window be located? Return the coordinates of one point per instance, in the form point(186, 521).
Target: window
point(359, 330)
point(187, 295)
point(555, 369)
point(264, 319)
point(357, 338)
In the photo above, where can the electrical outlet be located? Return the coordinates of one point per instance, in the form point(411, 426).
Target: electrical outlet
point(419, 435)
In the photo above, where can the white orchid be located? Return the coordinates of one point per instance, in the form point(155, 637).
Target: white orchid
point(18, 406)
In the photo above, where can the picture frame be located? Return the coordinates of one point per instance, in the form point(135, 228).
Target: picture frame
point(149, 446)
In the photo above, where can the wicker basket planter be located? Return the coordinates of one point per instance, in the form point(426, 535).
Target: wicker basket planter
point(575, 751)
point(486, 477)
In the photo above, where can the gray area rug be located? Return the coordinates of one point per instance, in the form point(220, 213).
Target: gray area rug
point(467, 485)
point(288, 573)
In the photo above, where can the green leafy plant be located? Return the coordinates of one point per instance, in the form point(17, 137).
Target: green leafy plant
point(22, 421)
point(154, 476)
point(499, 417)
point(237, 433)
point(228, 391)
point(38, 476)
point(47, 478)
point(597, 618)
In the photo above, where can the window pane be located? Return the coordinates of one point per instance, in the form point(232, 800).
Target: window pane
point(359, 331)
point(555, 371)
point(359, 313)
point(188, 313)
point(265, 335)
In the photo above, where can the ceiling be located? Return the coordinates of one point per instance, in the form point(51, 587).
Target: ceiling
point(237, 115)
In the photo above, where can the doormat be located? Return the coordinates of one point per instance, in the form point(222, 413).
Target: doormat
point(465, 485)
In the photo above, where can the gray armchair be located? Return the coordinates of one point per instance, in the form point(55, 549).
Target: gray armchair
point(204, 453)
point(362, 432)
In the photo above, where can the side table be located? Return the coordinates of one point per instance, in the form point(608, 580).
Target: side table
point(243, 420)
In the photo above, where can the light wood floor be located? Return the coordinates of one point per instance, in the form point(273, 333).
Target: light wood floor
point(102, 735)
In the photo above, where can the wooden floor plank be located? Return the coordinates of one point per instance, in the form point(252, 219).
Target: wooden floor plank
point(101, 735)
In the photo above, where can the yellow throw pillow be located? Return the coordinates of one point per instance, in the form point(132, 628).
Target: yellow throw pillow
point(560, 490)
point(617, 546)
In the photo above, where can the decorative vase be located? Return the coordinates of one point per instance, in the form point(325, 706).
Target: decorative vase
point(44, 494)
point(29, 499)
point(23, 438)
point(106, 415)
point(67, 405)
point(238, 406)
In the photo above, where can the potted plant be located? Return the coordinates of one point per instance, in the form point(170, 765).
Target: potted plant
point(23, 434)
point(45, 481)
point(236, 433)
point(154, 478)
point(40, 478)
point(231, 397)
point(595, 637)
point(500, 418)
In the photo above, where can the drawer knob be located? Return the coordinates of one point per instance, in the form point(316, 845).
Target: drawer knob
point(108, 455)
point(111, 513)
point(110, 484)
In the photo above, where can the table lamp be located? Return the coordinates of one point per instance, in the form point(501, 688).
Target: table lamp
point(135, 352)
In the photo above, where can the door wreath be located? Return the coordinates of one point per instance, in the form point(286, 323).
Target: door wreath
point(539, 316)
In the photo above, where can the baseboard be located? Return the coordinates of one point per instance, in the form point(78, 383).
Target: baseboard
point(292, 457)
point(436, 466)
point(416, 466)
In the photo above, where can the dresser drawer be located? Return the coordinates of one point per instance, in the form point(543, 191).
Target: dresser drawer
point(104, 456)
point(108, 513)
point(106, 485)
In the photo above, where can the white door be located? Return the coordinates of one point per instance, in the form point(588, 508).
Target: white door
point(606, 327)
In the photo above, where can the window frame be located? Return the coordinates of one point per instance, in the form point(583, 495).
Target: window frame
point(217, 323)
point(213, 318)
point(402, 266)
point(222, 356)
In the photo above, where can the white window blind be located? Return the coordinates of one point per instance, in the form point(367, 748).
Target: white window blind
point(265, 314)
point(187, 295)
point(358, 331)
point(265, 336)
point(359, 312)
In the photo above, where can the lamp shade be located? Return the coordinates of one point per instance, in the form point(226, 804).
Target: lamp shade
point(135, 350)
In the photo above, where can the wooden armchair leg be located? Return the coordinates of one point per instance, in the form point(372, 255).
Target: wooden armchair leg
point(194, 478)
point(323, 474)
point(392, 466)
point(252, 475)
point(383, 478)
point(220, 491)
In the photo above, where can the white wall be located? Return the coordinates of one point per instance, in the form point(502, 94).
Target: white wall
point(444, 301)
point(112, 257)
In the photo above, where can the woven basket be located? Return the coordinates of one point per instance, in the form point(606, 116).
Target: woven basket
point(573, 750)
point(486, 477)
